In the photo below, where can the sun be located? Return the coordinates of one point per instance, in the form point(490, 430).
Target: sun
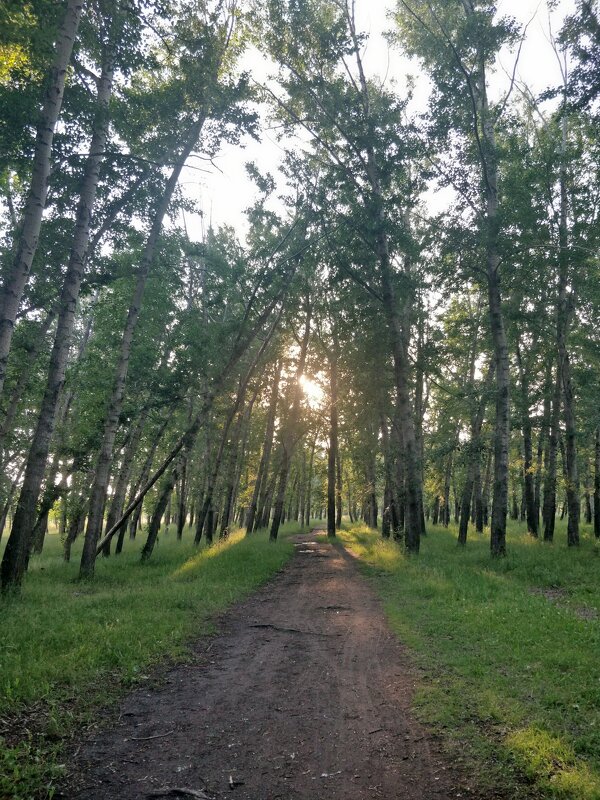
point(312, 391)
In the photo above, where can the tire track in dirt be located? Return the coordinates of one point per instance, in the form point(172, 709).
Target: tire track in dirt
point(304, 694)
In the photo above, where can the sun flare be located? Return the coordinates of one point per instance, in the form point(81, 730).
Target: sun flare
point(312, 391)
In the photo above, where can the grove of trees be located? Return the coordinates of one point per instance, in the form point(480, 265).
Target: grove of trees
point(406, 332)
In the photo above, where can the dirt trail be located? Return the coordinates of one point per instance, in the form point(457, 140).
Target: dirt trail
point(305, 694)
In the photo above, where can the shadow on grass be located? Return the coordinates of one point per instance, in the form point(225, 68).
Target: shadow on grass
point(506, 673)
point(68, 647)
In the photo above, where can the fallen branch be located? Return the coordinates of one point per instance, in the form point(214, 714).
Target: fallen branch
point(147, 738)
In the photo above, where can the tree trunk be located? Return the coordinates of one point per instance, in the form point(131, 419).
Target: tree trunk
point(207, 504)
point(549, 509)
point(236, 455)
point(309, 481)
point(338, 490)
point(597, 484)
point(290, 435)
point(19, 543)
point(142, 480)
point(101, 477)
point(9, 499)
point(36, 200)
point(265, 460)
point(543, 436)
point(23, 381)
point(562, 329)
point(447, 483)
point(241, 345)
point(474, 459)
point(390, 493)
point(333, 444)
point(118, 499)
point(435, 514)
point(528, 487)
point(161, 505)
point(264, 515)
point(399, 326)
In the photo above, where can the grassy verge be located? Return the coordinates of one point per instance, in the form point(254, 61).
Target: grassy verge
point(510, 653)
point(68, 648)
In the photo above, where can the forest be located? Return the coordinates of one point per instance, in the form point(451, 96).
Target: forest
point(399, 343)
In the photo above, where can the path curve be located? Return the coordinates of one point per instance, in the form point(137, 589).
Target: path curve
point(305, 694)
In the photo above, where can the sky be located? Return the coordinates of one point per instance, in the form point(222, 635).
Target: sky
point(225, 191)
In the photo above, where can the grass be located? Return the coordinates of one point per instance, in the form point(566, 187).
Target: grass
point(511, 675)
point(67, 648)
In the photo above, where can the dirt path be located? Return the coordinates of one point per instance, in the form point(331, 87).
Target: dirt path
point(305, 694)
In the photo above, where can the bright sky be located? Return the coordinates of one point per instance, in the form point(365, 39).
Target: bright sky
point(226, 192)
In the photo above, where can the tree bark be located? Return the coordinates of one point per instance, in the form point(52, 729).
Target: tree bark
point(23, 381)
point(543, 437)
point(528, 487)
point(309, 480)
point(332, 451)
point(474, 458)
point(236, 454)
point(19, 543)
point(38, 190)
point(163, 498)
point(291, 434)
point(118, 499)
point(549, 508)
point(101, 477)
point(399, 328)
point(597, 484)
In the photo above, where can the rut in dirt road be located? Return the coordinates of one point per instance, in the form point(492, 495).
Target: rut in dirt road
point(304, 695)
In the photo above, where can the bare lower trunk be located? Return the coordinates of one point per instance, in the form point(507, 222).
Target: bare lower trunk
point(142, 479)
point(597, 485)
point(163, 498)
point(237, 447)
point(9, 499)
point(502, 423)
point(333, 447)
point(391, 520)
point(290, 435)
point(549, 508)
point(447, 483)
point(38, 190)
point(528, 486)
point(398, 483)
point(338, 489)
point(207, 503)
point(542, 438)
point(473, 479)
point(309, 480)
point(264, 513)
point(118, 499)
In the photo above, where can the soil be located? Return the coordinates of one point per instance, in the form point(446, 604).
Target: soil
point(304, 693)
point(558, 596)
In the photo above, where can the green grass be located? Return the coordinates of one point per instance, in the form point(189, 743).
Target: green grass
point(510, 678)
point(69, 647)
